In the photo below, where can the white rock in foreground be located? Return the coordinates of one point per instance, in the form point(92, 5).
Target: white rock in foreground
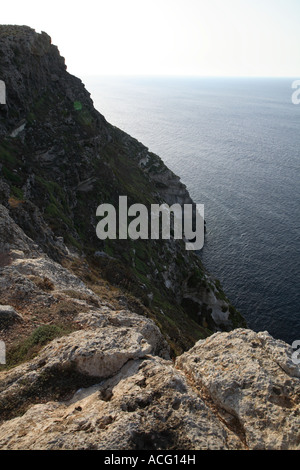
point(254, 385)
point(237, 390)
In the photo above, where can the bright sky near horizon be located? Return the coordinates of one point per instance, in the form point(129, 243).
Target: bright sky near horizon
point(168, 37)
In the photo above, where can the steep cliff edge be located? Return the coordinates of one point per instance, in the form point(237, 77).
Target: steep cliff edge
point(98, 334)
point(60, 159)
point(109, 384)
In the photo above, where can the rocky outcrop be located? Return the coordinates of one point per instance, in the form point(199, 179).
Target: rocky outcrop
point(12, 237)
point(252, 383)
point(229, 392)
point(147, 405)
point(110, 383)
point(8, 316)
point(100, 336)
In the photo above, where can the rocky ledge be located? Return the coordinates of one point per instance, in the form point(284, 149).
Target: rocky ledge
point(234, 390)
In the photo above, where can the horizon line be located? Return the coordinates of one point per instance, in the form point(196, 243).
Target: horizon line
point(291, 77)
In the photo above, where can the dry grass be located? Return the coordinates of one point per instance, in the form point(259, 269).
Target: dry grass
point(14, 202)
point(43, 283)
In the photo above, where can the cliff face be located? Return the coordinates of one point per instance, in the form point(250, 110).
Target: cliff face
point(106, 317)
point(60, 159)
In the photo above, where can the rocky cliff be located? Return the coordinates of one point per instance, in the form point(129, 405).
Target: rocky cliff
point(60, 159)
point(114, 344)
point(104, 378)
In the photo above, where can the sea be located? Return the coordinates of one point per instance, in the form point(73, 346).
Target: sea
point(235, 143)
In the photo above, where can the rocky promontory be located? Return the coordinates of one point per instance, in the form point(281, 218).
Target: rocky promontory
point(113, 345)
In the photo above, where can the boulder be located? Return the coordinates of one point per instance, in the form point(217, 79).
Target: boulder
point(8, 316)
point(253, 384)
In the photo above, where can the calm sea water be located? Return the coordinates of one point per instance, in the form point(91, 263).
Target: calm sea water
point(235, 143)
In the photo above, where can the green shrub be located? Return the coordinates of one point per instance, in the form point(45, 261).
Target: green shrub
point(9, 175)
point(17, 192)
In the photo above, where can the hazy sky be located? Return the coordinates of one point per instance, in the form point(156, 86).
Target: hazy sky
point(168, 37)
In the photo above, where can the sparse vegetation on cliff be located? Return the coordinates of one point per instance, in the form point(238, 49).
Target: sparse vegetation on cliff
point(113, 344)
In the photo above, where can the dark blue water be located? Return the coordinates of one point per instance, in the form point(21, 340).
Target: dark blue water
point(235, 143)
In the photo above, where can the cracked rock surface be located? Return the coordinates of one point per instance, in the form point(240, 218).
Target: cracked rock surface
point(235, 390)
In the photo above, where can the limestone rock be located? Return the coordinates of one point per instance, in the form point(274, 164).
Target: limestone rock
point(99, 353)
point(12, 236)
point(251, 380)
point(100, 318)
point(147, 405)
point(85, 355)
point(228, 392)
